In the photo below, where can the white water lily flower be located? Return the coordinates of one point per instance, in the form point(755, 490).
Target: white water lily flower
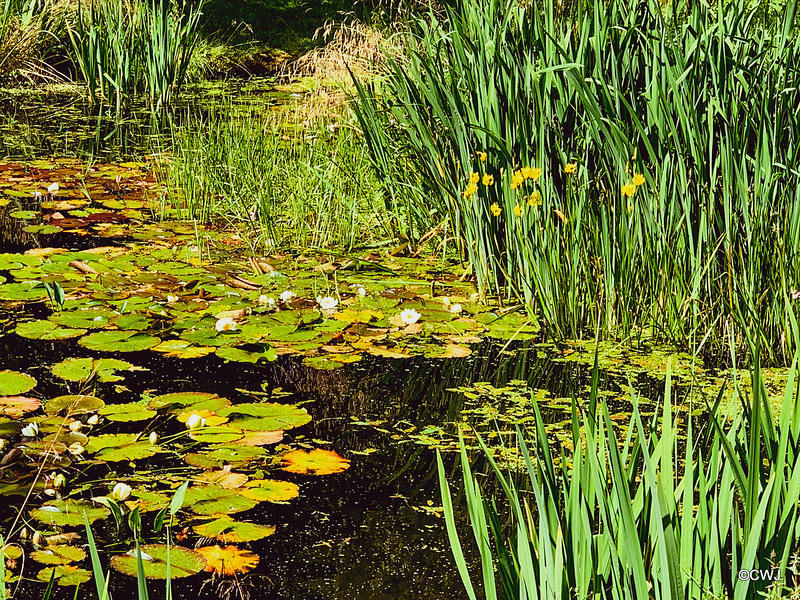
point(59, 481)
point(52, 188)
point(30, 430)
point(75, 449)
point(172, 299)
point(445, 301)
point(122, 491)
point(362, 291)
point(795, 294)
point(264, 299)
point(93, 420)
point(154, 438)
point(225, 324)
point(455, 308)
point(327, 303)
point(194, 421)
point(409, 316)
point(287, 295)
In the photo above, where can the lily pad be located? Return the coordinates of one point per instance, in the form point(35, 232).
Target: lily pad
point(227, 530)
point(270, 490)
point(183, 562)
point(68, 513)
point(81, 369)
point(46, 330)
point(229, 560)
point(58, 555)
point(212, 499)
point(119, 447)
point(127, 412)
point(65, 575)
point(267, 416)
point(118, 341)
point(17, 406)
point(182, 349)
point(239, 355)
point(316, 462)
point(73, 405)
point(13, 383)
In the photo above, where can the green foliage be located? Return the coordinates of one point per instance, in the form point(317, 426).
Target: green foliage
point(665, 514)
point(700, 106)
point(275, 185)
point(122, 48)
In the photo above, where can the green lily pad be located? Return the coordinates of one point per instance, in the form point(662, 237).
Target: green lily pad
point(239, 355)
point(267, 416)
point(148, 500)
point(24, 214)
point(46, 330)
point(13, 383)
point(212, 500)
point(68, 513)
point(183, 562)
point(43, 229)
point(120, 447)
point(233, 455)
point(182, 349)
point(65, 575)
point(82, 319)
point(127, 412)
point(80, 369)
point(231, 531)
point(118, 341)
point(58, 555)
point(27, 290)
point(182, 400)
point(271, 490)
point(73, 405)
point(217, 435)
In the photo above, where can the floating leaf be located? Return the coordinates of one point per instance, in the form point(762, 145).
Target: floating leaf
point(58, 555)
point(80, 369)
point(261, 438)
point(239, 355)
point(68, 513)
point(316, 462)
point(212, 499)
point(229, 560)
point(46, 330)
point(17, 406)
point(65, 575)
point(181, 400)
point(118, 341)
point(119, 447)
point(217, 435)
point(267, 416)
point(13, 383)
point(224, 478)
point(148, 500)
point(182, 349)
point(73, 405)
point(270, 490)
point(183, 562)
point(127, 412)
point(227, 530)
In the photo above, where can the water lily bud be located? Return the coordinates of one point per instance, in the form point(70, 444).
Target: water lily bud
point(59, 481)
point(154, 438)
point(75, 426)
point(287, 295)
point(52, 188)
point(122, 491)
point(49, 492)
point(362, 291)
point(93, 420)
point(455, 308)
point(172, 299)
point(30, 430)
point(37, 538)
point(75, 449)
point(445, 301)
point(194, 421)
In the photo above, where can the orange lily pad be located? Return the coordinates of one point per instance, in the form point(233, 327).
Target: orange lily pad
point(316, 462)
point(229, 560)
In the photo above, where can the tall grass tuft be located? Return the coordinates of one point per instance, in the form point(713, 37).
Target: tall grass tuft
point(666, 204)
point(664, 511)
point(134, 46)
point(277, 184)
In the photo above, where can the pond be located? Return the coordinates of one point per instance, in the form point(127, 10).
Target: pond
point(303, 400)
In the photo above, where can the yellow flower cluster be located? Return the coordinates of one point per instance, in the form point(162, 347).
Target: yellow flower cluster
point(496, 210)
point(570, 168)
point(629, 189)
point(475, 178)
point(518, 177)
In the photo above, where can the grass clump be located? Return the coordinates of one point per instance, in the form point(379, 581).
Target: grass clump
point(662, 511)
point(664, 203)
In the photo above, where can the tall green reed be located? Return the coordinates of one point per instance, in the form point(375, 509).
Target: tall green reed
point(665, 511)
point(700, 99)
point(125, 48)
